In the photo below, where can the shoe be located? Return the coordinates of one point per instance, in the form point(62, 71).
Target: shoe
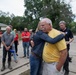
point(23, 56)
point(16, 61)
point(17, 54)
point(9, 65)
point(3, 68)
point(11, 54)
point(27, 56)
point(66, 73)
point(70, 59)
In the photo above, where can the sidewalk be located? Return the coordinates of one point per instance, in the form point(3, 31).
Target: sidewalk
point(73, 55)
point(21, 65)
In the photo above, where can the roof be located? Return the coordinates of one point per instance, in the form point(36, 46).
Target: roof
point(3, 25)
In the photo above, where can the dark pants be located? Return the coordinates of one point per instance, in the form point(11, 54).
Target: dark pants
point(16, 44)
point(66, 64)
point(5, 54)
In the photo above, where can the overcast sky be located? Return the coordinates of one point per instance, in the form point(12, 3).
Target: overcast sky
point(17, 6)
point(12, 6)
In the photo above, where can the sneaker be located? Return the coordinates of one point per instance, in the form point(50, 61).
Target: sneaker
point(16, 61)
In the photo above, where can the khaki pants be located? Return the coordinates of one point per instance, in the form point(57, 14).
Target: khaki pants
point(50, 69)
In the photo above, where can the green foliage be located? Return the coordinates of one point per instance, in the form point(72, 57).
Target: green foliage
point(56, 10)
point(73, 27)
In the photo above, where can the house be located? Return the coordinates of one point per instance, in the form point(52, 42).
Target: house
point(3, 26)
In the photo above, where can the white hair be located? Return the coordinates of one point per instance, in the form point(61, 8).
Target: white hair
point(8, 27)
point(47, 20)
point(62, 22)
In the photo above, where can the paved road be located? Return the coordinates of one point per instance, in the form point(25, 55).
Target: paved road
point(23, 65)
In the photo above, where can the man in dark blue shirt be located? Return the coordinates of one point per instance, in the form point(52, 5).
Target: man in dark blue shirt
point(69, 38)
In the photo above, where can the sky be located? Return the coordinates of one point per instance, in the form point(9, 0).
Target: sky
point(12, 6)
point(17, 6)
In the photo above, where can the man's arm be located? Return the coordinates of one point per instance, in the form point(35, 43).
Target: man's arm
point(71, 38)
point(11, 43)
point(2, 39)
point(61, 46)
point(4, 44)
point(63, 55)
point(68, 42)
point(47, 38)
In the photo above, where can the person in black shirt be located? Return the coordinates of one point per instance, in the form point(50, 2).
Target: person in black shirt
point(68, 38)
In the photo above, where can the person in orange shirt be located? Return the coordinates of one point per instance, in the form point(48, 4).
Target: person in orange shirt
point(25, 39)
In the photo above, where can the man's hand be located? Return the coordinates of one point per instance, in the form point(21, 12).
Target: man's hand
point(63, 56)
point(58, 67)
point(7, 48)
point(67, 42)
point(32, 43)
point(63, 33)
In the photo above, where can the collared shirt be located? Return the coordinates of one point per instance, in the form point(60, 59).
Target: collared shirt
point(7, 38)
point(51, 52)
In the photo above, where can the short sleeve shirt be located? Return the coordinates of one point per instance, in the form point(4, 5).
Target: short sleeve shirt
point(7, 38)
point(51, 52)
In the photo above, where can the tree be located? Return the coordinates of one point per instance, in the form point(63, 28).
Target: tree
point(56, 10)
point(73, 27)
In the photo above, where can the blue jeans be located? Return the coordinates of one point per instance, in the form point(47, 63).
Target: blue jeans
point(14, 54)
point(35, 65)
point(26, 48)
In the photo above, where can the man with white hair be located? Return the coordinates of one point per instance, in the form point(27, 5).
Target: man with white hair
point(54, 55)
point(7, 41)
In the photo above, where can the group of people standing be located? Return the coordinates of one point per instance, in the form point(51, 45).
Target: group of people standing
point(10, 41)
point(49, 48)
